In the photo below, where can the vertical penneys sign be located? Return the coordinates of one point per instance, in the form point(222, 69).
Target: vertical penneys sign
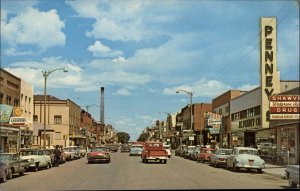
point(269, 76)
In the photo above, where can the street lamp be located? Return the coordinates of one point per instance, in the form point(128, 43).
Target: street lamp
point(88, 106)
point(190, 93)
point(45, 75)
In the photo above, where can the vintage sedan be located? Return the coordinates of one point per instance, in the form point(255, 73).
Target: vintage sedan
point(292, 174)
point(219, 157)
point(98, 154)
point(204, 155)
point(37, 159)
point(125, 148)
point(245, 158)
point(72, 152)
point(136, 149)
point(3, 171)
point(15, 164)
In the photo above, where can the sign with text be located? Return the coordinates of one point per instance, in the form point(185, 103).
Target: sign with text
point(18, 121)
point(284, 107)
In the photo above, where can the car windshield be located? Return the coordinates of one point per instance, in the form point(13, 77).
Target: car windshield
point(137, 146)
point(99, 149)
point(27, 153)
point(223, 152)
point(71, 148)
point(245, 151)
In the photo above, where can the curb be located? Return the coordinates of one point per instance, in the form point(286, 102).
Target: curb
point(281, 176)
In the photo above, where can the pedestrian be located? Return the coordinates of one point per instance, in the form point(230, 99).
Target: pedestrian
point(57, 154)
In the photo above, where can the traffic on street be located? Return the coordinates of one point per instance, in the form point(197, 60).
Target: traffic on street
point(125, 172)
point(149, 95)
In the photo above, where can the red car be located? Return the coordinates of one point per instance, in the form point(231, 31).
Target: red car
point(98, 154)
point(205, 154)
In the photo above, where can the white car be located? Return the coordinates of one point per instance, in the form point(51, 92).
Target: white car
point(168, 149)
point(36, 157)
point(72, 152)
point(245, 158)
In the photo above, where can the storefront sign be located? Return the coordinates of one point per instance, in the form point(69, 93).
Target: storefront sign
point(269, 76)
point(253, 122)
point(19, 121)
point(284, 107)
point(5, 113)
point(213, 119)
point(285, 116)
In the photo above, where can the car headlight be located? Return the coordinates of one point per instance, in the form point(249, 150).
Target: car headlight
point(31, 160)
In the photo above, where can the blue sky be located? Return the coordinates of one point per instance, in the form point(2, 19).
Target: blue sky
point(143, 51)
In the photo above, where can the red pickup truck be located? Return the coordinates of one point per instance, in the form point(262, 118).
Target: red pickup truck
point(154, 151)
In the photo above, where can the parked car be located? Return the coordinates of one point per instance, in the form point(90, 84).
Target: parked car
point(3, 171)
point(125, 148)
point(168, 149)
point(188, 151)
point(15, 164)
point(136, 149)
point(82, 151)
point(73, 152)
point(246, 158)
point(49, 152)
point(37, 159)
point(292, 174)
point(219, 157)
point(179, 150)
point(194, 153)
point(97, 154)
point(204, 155)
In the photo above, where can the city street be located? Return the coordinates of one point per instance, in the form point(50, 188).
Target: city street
point(129, 173)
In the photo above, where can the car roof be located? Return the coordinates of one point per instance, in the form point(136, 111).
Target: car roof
point(245, 148)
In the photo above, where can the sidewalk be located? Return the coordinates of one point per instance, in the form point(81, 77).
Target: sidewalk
point(275, 170)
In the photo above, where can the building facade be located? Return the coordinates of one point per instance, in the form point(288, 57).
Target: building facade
point(62, 122)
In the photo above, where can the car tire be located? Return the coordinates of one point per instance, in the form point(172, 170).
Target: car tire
point(36, 167)
point(21, 173)
point(291, 183)
point(235, 169)
point(4, 178)
point(215, 165)
point(9, 174)
point(259, 171)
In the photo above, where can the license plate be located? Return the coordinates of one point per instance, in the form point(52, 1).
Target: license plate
point(251, 162)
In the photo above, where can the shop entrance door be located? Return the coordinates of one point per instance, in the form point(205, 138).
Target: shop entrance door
point(249, 139)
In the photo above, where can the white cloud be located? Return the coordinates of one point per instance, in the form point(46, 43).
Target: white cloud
point(247, 87)
point(43, 29)
point(124, 92)
point(201, 88)
point(100, 50)
point(13, 52)
point(122, 78)
point(119, 59)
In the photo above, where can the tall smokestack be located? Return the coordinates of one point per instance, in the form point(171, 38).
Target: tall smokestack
point(102, 105)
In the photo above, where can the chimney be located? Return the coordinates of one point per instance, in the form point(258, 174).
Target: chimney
point(102, 105)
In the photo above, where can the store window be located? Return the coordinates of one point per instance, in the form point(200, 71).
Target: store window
point(57, 119)
point(288, 141)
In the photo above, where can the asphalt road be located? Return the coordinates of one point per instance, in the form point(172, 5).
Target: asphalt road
point(129, 173)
